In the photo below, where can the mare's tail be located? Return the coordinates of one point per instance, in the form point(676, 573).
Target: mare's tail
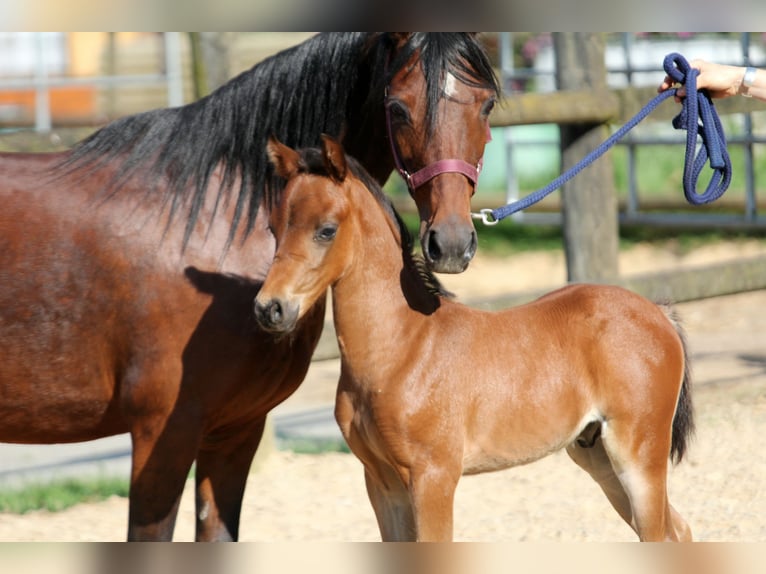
point(683, 421)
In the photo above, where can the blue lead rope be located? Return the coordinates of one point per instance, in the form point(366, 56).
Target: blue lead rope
point(697, 117)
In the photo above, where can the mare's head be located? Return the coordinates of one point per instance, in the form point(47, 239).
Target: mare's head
point(437, 106)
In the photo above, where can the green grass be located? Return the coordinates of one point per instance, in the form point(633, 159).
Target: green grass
point(60, 494)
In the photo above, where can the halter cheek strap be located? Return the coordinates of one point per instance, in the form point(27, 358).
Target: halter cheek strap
point(415, 180)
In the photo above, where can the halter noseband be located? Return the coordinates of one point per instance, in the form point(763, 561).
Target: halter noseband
point(415, 180)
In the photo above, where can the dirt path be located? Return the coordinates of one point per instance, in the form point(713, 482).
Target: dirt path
point(720, 488)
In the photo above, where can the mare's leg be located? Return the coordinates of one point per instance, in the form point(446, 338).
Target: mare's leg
point(163, 452)
point(392, 507)
point(223, 465)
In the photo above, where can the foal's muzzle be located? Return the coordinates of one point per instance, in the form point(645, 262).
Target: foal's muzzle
point(275, 315)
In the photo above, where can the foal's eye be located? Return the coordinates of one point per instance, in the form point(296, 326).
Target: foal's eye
point(325, 233)
point(488, 106)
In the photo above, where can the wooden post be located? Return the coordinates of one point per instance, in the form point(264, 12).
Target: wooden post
point(199, 72)
point(589, 202)
point(210, 61)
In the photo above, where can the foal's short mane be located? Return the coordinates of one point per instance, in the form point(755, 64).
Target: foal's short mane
point(313, 163)
point(320, 86)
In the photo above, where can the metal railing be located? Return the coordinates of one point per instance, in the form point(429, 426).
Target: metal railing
point(42, 82)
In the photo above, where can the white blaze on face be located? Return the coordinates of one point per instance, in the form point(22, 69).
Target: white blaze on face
point(450, 86)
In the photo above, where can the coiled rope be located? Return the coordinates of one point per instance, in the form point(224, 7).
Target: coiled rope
point(698, 117)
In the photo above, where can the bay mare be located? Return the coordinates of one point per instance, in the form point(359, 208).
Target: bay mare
point(431, 389)
point(129, 264)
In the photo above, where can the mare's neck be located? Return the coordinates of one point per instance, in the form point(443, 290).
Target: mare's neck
point(377, 162)
point(365, 130)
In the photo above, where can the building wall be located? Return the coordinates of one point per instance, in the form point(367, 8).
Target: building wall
point(94, 54)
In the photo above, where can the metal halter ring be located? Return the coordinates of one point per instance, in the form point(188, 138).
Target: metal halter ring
point(486, 217)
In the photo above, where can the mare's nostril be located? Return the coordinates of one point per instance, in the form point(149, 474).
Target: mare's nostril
point(433, 250)
point(470, 250)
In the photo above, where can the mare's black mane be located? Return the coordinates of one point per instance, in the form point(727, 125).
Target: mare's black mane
point(329, 84)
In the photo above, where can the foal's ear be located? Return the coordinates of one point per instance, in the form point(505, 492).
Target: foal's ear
point(399, 39)
point(334, 158)
point(284, 159)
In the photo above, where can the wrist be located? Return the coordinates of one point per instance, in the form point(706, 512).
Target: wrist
point(748, 81)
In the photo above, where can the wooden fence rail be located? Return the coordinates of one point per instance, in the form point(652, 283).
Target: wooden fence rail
point(596, 106)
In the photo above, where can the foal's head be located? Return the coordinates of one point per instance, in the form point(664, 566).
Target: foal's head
point(314, 227)
point(329, 213)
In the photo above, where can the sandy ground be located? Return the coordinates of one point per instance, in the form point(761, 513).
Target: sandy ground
point(720, 488)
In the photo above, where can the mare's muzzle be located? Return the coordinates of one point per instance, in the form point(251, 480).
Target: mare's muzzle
point(449, 247)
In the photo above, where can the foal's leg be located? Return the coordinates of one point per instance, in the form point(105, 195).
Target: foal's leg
point(433, 498)
point(223, 465)
point(641, 465)
point(421, 512)
point(681, 530)
point(596, 463)
point(393, 509)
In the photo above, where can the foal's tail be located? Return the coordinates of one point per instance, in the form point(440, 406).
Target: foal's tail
point(683, 421)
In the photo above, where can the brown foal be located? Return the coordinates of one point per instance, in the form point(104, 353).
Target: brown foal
point(431, 389)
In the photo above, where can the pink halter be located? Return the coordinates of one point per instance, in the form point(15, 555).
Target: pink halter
point(415, 180)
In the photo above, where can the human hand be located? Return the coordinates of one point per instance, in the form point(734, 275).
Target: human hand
point(720, 80)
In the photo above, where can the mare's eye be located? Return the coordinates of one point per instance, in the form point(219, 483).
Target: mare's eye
point(398, 111)
point(326, 233)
